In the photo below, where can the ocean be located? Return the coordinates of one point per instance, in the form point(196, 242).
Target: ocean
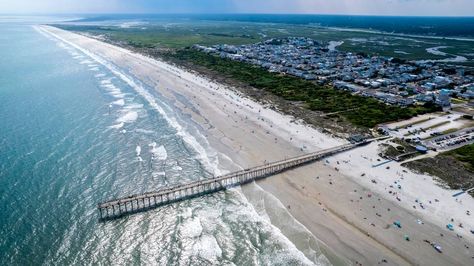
point(76, 130)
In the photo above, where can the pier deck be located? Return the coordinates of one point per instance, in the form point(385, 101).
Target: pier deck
point(141, 202)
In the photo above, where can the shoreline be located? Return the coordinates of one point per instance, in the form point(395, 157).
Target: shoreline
point(247, 132)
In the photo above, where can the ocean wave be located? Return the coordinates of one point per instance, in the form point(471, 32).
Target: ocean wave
point(85, 62)
point(176, 167)
point(119, 96)
point(191, 228)
point(114, 91)
point(144, 131)
point(157, 174)
point(110, 87)
point(210, 162)
point(206, 246)
point(128, 117)
point(158, 153)
point(120, 102)
point(138, 150)
point(106, 81)
point(134, 106)
point(117, 126)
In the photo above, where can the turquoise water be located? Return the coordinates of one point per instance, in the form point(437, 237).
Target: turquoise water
point(73, 133)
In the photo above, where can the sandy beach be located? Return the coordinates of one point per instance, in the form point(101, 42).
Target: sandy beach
point(343, 205)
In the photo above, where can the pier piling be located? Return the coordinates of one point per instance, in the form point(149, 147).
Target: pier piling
point(127, 205)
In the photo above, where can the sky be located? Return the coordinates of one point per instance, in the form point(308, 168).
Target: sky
point(354, 7)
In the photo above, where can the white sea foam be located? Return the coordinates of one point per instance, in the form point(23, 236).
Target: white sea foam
point(177, 168)
point(210, 161)
point(119, 102)
point(144, 131)
point(116, 93)
point(157, 174)
point(138, 150)
point(112, 89)
point(158, 153)
point(134, 106)
point(191, 228)
point(117, 126)
point(119, 96)
point(208, 248)
point(106, 81)
point(128, 117)
point(100, 75)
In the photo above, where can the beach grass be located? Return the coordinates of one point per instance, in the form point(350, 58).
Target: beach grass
point(367, 112)
point(464, 154)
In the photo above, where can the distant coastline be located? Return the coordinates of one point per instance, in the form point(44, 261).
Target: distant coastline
point(453, 27)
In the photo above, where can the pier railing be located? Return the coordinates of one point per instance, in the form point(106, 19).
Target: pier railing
point(141, 202)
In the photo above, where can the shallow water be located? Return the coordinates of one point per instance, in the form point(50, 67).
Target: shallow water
point(76, 130)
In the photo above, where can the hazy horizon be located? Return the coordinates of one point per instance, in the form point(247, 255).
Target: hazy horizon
point(223, 13)
point(437, 8)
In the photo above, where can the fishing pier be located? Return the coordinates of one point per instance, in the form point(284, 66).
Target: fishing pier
point(141, 202)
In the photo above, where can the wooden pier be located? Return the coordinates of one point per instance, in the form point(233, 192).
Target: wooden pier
point(137, 203)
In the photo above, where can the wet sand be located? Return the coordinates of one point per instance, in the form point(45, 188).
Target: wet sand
point(331, 204)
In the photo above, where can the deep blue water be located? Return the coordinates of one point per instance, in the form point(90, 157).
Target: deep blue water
point(435, 26)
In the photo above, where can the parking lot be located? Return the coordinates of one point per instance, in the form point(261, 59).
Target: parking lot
point(453, 140)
